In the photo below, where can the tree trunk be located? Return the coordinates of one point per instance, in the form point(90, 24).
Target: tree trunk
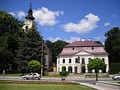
point(96, 74)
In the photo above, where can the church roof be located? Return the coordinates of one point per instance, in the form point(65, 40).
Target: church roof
point(84, 44)
point(30, 14)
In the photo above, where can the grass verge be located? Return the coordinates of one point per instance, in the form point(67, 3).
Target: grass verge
point(44, 85)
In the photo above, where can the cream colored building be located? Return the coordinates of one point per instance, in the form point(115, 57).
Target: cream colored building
point(75, 56)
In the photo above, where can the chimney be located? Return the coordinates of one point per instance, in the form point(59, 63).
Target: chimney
point(83, 39)
point(89, 39)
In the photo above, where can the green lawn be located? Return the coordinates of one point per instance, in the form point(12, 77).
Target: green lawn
point(16, 74)
point(42, 87)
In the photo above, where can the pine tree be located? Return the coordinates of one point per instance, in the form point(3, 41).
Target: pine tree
point(30, 48)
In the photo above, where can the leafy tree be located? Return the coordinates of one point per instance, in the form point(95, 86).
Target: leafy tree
point(34, 65)
point(9, 33)
point(112, 44)
point(98, 42)
point(49, 44)
point(55, 47)
point(96, 64)
point(63, 74)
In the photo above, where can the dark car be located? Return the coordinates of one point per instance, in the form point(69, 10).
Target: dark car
point(33, 76)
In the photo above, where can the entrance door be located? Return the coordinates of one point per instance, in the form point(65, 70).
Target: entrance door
point(75, 69)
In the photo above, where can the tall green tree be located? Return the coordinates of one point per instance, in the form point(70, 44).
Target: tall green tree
point(30, 48)
point(96, 64)
point(9, 33)
point(112, 44)
point(56, 48)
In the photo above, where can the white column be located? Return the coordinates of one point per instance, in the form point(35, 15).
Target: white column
point(66, 68)
point(73, 69)
point(79, 69)
point(60, 68)
point(86, 70)
point(107, 68)
point(100, 71)
point(93, 70)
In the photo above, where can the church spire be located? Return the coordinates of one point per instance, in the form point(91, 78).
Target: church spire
point(30, 13)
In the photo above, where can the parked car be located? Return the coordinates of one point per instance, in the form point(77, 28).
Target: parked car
point(33, 76)
point(116, 77)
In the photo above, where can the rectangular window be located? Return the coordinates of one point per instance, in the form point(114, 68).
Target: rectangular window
point(63, 60)
point(69, 60)
point(89, 59)
point(83, 60)
point(103, 59)
point(77, 60)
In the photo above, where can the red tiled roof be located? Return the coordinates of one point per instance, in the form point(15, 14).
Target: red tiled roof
point(100, 53)
point(94, 53)
point(84, 44)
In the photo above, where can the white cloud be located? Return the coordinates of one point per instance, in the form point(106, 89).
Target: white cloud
point(12, 13)
point(43, 16)
point(72, 39)
point(18, 14)
point(53, 39)
point(106, 24)
point(21, 14)
point(99, 38)
point(46, 17)
point(85, 25)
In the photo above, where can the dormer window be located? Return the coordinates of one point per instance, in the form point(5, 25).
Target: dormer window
point(92, 48)
point(73, 48)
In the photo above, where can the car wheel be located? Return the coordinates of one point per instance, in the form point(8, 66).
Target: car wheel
point(118, 78)
point(25, 78)
point(37, 78)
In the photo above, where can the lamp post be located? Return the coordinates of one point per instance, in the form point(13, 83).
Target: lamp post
point(42, 60)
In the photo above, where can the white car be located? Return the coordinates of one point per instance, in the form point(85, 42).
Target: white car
point(116, 77)
point(33, 76)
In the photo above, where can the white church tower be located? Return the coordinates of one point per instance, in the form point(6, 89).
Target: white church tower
point(29, 23)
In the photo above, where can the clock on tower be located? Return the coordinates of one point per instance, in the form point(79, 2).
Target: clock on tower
point(29, 24)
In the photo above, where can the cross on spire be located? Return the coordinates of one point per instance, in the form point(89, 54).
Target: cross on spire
point(30, 5)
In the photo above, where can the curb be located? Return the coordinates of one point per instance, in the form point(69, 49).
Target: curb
point(104, 82)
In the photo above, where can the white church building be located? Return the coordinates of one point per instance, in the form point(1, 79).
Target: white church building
point(75, 56)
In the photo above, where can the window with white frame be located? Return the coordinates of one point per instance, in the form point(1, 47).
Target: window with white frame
point(70, 60)
point(77, 60)
point(103, 59)
point(63, 60)
point(83, 60)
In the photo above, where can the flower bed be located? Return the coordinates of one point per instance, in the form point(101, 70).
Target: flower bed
point(37, 82)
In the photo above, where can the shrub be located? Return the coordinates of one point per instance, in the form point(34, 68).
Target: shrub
point(114, 68)
point(64, 73)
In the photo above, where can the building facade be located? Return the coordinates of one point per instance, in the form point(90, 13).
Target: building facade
point(75, 56)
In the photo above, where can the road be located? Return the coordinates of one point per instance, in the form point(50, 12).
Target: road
point(84, 81)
